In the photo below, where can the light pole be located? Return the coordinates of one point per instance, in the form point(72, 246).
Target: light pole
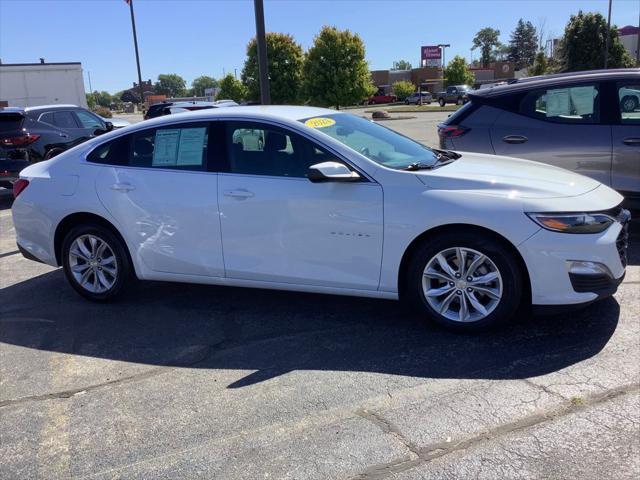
point(263, 67)
point(606, 41)
point(442, 46)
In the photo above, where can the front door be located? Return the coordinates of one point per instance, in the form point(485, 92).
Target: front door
point(163, 198)
point(559, 126)
point(277, 226)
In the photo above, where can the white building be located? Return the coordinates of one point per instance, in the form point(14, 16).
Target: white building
point(29, 84)
point(629, 38)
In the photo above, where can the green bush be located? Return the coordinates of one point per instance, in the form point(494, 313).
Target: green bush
point(102, 111)
point(402, 89)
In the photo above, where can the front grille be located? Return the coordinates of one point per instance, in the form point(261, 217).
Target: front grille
point(595, 283)
point(622, 243)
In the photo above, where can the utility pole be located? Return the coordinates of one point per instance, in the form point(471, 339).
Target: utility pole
point(263, 67)
point(91, 88)
point(135, 43)
point(606, 41)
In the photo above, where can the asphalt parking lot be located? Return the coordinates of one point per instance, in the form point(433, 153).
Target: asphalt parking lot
point(188, 381)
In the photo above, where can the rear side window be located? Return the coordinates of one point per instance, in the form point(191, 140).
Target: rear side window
point(115, 152)
point(88, 120)
point(64, 120)
point(180, 148)
point(577, 104)
point(10, 121)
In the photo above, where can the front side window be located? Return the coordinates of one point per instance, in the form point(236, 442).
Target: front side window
point(260, 149)
point(64, 119)
point(629, 103)
point(377, 143)
point(576, 104)
point(88, 120)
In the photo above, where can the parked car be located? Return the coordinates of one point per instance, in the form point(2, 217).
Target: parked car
point(587, 122)
point(321, 201)
point(116, 122)
point(32, 134)
point(457, 94)
point(417, 97)
point(380, 97)
point(156, 109)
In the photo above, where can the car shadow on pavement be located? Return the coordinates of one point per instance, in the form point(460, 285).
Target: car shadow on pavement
point(274, 332)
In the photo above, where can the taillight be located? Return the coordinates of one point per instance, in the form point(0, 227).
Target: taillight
point(20, 141)
point(452, 130)
point(18, 186)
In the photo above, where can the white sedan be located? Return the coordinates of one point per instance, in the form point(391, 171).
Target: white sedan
point(315, 200)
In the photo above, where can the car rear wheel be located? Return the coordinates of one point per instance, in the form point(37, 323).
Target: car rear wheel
point(460, 101)
point(465, 282)
point(95, 262)
point(441, 102)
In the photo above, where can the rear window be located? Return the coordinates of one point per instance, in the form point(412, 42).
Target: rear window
point(10, 121)
point(460, 114)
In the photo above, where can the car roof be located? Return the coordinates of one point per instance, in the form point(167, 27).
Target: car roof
point(57, 106)
point(267, 112)
point(559, 79)
point(11, 110)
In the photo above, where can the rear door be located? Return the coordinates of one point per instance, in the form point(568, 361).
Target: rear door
point(157, 185)
point(625, 172)
point(560, 126)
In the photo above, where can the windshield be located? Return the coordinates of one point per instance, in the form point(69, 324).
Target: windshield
point(377, 143)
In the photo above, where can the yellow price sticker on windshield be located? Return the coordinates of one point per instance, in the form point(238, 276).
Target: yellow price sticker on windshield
point(320, 122)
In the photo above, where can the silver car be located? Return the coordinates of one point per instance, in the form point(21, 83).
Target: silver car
point(588, 122)
point(414, 98)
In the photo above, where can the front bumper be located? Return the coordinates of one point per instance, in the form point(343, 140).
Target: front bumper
point(548, 256)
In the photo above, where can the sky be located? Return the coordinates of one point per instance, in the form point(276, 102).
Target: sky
point(209, 37)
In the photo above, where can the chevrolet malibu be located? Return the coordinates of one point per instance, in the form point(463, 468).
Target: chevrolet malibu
point(314, 200)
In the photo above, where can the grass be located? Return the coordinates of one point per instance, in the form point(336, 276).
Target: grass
point(422, 108)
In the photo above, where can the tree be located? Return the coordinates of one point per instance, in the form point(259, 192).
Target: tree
point(199, 85)
point(582, 46)
point(487, 40)
point(401, 65)
point(104, 99)
point(540, 65)
point(335, 71)
point(171, 85)
point(285, 58)
point(523, 44)
point(457, 72)
point(231, 89)
point(402, 89)
point(91, 100)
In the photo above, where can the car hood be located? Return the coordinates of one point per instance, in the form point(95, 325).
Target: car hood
point(506, 176)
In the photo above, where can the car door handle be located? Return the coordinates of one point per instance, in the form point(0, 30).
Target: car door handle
point(240, 193)
point(515, 139)
point(631, 141)
point(63, 135)
point(122, 187)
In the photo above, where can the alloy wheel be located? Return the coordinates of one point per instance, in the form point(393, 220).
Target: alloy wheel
point(93, 263)
point(462, 284)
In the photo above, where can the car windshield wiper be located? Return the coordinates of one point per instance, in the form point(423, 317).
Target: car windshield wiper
point(445, 154)
point(420, 166)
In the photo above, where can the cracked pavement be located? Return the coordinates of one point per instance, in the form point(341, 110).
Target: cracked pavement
point(189, 381)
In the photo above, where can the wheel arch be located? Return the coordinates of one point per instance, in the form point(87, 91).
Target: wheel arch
point(79, 218)
point(466, 228)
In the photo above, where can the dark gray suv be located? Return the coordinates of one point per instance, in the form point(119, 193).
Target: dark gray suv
point(587, 122)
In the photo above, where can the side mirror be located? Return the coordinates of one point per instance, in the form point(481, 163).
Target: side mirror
point(109, 126)
point(331, 172)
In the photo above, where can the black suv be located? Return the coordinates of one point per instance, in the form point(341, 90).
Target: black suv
point(31, 134)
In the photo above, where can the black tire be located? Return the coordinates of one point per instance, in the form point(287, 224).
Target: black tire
point(52, 153)
point(505, 261)
point(442, 102)
point(459, 101)
point(628, 103)
point(122, 261)
point(406, 102)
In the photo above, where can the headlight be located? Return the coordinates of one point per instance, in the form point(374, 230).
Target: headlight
point(573, 222)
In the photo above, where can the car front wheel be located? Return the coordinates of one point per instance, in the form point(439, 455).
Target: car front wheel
point(95, 262)
point(465, 282)
point(629, 104)
point(441, 102)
